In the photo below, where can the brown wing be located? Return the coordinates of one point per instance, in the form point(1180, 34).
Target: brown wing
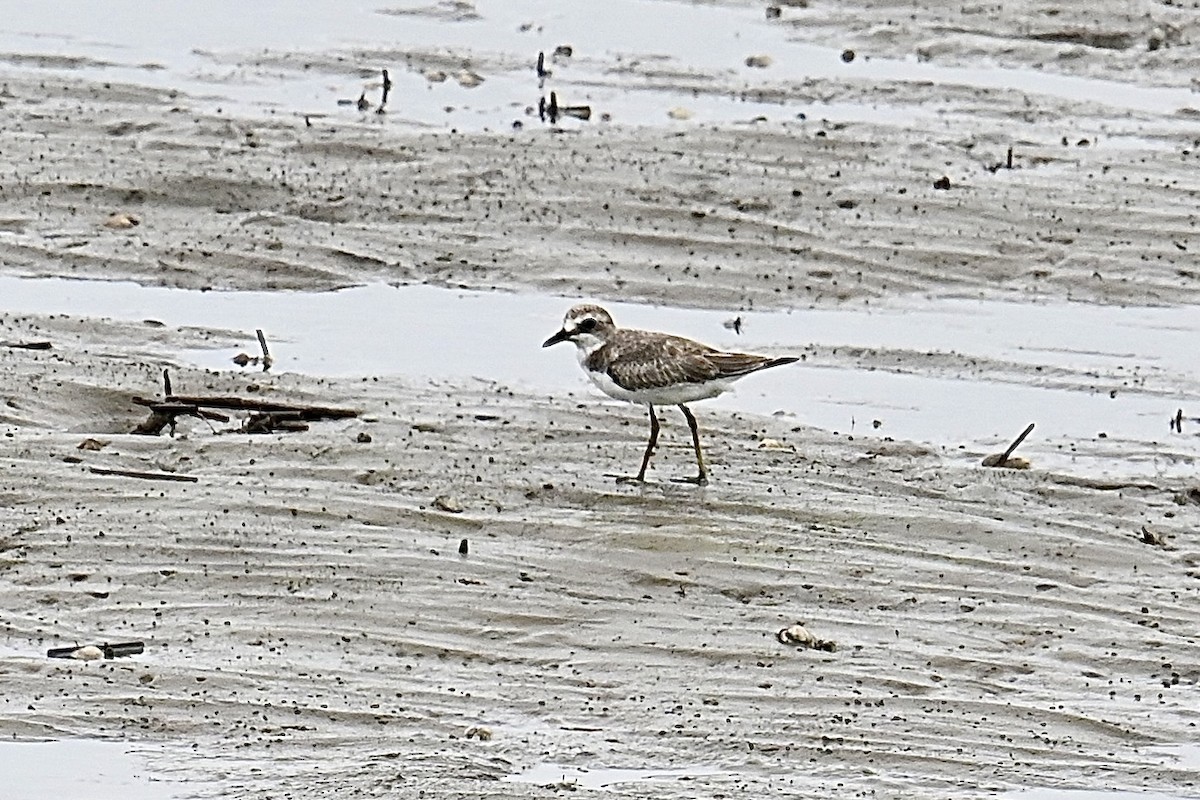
point(650, 362)
point(734, 365)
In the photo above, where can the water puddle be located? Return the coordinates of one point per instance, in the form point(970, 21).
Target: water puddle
point(88, 768)
point(1186, 756)
point(677, 54)
point(1086, 794)
point(1182, 757)
point(558, 776)
point(1077, 370)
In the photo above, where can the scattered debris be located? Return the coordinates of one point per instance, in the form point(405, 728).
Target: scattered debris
point(27, 345)
point(548, 110)
point(774, 12)
point(1004, 460)
point(444, 502)
point(463, 547)
point(551, 111)
point(363, 438)
point(93, 445)
point(89, 652)
point(775, 444)
point(122, 220)
point(1154, 538)
point(468, 79)
point(1190, 496)
point(578, 112)
point(1177, 422)
point(479, 732)
point(564, 51)
point(289, 421)
point(942, 183)
point(362, 104)
point(734, 325)
point(243, 359)
point(542, 72)
point(679, 113)
point(799, 636)
point(759, 62)
point(847, 56)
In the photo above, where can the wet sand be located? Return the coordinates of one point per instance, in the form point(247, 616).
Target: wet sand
point(311, 627)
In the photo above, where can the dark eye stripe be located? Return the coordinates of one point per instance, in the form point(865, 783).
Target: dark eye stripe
point(588, 324)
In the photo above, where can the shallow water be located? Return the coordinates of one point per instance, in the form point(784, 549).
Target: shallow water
point(606, 777)
point(1186, 756)
point(78, 768)
point(1125, 377)
point(1086, 794)
point(193, 48)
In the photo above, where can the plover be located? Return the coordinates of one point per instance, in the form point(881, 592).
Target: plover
point(654, 369)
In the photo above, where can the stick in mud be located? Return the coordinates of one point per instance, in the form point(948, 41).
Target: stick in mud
point(387, 89)
point(267, 361)
point(1016, 443)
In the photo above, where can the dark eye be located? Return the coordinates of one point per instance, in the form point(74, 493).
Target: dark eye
point(587, 325)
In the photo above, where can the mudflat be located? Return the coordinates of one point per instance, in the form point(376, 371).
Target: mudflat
point(311, 626)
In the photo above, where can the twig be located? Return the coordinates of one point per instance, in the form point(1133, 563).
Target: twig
point(162, 414)
point(1016, 443)
point(180, 408)
point(149, 476)
point(387, 89)
point(267, 361)
point(247, 404)
point(27, 345)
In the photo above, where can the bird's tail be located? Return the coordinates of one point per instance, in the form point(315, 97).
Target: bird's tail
point(779, 362)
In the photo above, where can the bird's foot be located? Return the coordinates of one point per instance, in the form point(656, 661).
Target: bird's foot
point(629, 478)
point(699, 480)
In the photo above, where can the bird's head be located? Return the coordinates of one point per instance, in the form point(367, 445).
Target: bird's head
point(588, 326)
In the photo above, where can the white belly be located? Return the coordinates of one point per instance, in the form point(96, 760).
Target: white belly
point(660, 396)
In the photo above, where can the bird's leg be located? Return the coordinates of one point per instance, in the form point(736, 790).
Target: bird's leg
point(702, 478)
point(641, 476)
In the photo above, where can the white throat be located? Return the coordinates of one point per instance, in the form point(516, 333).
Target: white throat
point(586, 344)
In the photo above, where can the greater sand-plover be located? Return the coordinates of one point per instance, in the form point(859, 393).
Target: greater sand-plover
point(654, 369)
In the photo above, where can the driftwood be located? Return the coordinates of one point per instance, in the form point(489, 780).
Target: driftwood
point(106, 650)
point(306, 412)
point(264, 416)
point(163, 414)
point(149, 476)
